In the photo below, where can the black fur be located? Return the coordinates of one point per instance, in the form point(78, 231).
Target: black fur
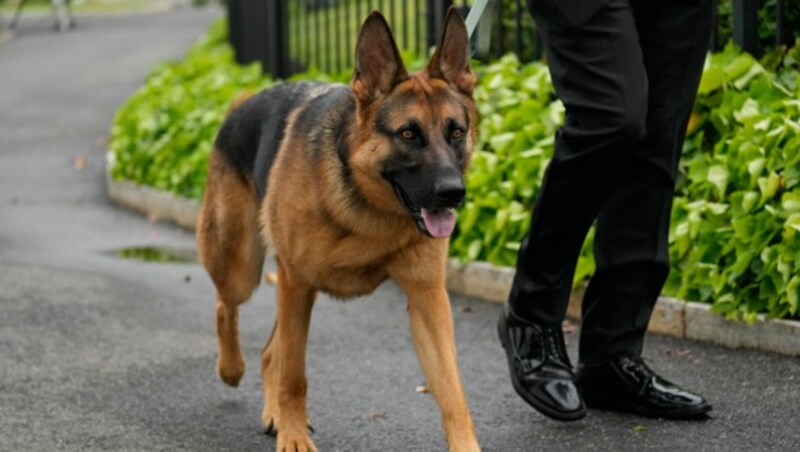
point(250, 138)
point(323, 114)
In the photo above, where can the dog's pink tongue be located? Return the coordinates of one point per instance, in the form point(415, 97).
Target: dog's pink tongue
point(440, 222)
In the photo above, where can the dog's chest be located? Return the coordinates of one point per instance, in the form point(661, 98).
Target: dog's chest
point(348, 282)
point(355, 266)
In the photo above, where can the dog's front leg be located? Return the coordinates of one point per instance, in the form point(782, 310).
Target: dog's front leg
point(432, 333)
point(294, 314)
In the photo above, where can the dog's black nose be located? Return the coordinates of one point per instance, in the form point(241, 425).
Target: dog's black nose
point(449, 192)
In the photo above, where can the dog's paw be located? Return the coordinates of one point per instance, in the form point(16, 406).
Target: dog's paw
point(471, 447)
point(270, 422)
point(231, 370)
point(464, 443)
point(295, 442)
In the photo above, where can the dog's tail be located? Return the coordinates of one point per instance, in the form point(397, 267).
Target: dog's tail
point(238, 101)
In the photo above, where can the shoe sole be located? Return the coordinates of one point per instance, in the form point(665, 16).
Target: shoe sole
point(596, 401)
point(532, 401)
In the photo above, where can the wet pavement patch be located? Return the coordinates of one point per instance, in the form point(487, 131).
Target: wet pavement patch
point(159, 254)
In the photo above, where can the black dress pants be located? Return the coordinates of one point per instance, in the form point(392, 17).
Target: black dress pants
point(627, 72)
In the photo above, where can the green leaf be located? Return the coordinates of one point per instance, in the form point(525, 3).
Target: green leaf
point(712, 80)
point(793, 294)
point(769, 186)
point(739, 67)
point(749, 200)
point(474, 249)
point(792, 224)
point(743, 80)
point(790, 201)
point(718, 176)
point(756, 166)
point(748, 110)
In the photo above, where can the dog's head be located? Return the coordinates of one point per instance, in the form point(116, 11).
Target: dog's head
point(417, 131)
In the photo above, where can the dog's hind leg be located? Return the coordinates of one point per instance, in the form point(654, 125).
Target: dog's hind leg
point(233, 254)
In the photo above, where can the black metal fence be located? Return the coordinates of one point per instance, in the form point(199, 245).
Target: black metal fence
point(289, 36)
point(322, 33)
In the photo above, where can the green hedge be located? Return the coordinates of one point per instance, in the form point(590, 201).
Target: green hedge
point(735, 225)
point(736, 220)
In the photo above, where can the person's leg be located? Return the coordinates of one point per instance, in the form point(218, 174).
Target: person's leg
point(598, 73)
point(632, 263)
point(631, 240)
point(597, 69)
point(631, 237)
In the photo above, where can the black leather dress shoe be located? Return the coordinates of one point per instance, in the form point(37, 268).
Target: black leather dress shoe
point(627, 384)
point(540, 369)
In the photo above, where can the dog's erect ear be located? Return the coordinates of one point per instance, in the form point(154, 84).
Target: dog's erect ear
point(451, 61)
point(378, 64)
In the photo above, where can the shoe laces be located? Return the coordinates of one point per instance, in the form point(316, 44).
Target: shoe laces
point(637, 367)
point(554, 345)
point(549, 339)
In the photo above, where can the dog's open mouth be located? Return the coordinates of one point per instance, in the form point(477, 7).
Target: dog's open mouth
point(435, 222)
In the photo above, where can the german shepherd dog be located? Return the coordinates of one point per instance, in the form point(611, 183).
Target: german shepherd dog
point(347, 186)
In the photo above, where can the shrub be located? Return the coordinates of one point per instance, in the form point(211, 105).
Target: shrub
point(736, 219)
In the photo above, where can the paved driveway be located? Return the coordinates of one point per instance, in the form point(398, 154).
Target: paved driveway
point(101, 353)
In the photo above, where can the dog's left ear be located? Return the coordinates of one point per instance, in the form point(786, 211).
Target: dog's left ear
point(378, 64)
point(451, 61)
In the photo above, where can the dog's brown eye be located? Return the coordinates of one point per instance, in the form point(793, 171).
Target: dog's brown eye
point(408, 134)
point(457, 134)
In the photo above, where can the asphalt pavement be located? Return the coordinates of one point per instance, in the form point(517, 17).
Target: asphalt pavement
point(103, 353)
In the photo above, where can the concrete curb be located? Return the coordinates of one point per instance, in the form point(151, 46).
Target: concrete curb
point(155, 204)
point(671, 317)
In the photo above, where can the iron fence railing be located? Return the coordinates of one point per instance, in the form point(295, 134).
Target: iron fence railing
point(289, 36)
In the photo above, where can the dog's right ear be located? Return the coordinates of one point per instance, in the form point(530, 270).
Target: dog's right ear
point(378, 64)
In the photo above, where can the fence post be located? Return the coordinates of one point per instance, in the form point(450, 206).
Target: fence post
point(258, 31)
point(234, 26)
point(745, 25)
point(434, 12)
point(275, 58)
point(243, 34)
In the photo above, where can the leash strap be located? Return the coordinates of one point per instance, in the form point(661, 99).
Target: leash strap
point(475, 15)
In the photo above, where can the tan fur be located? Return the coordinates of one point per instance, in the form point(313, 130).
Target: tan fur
point(326, 239)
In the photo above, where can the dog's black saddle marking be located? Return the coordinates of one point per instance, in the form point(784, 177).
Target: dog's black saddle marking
point(251, 137)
